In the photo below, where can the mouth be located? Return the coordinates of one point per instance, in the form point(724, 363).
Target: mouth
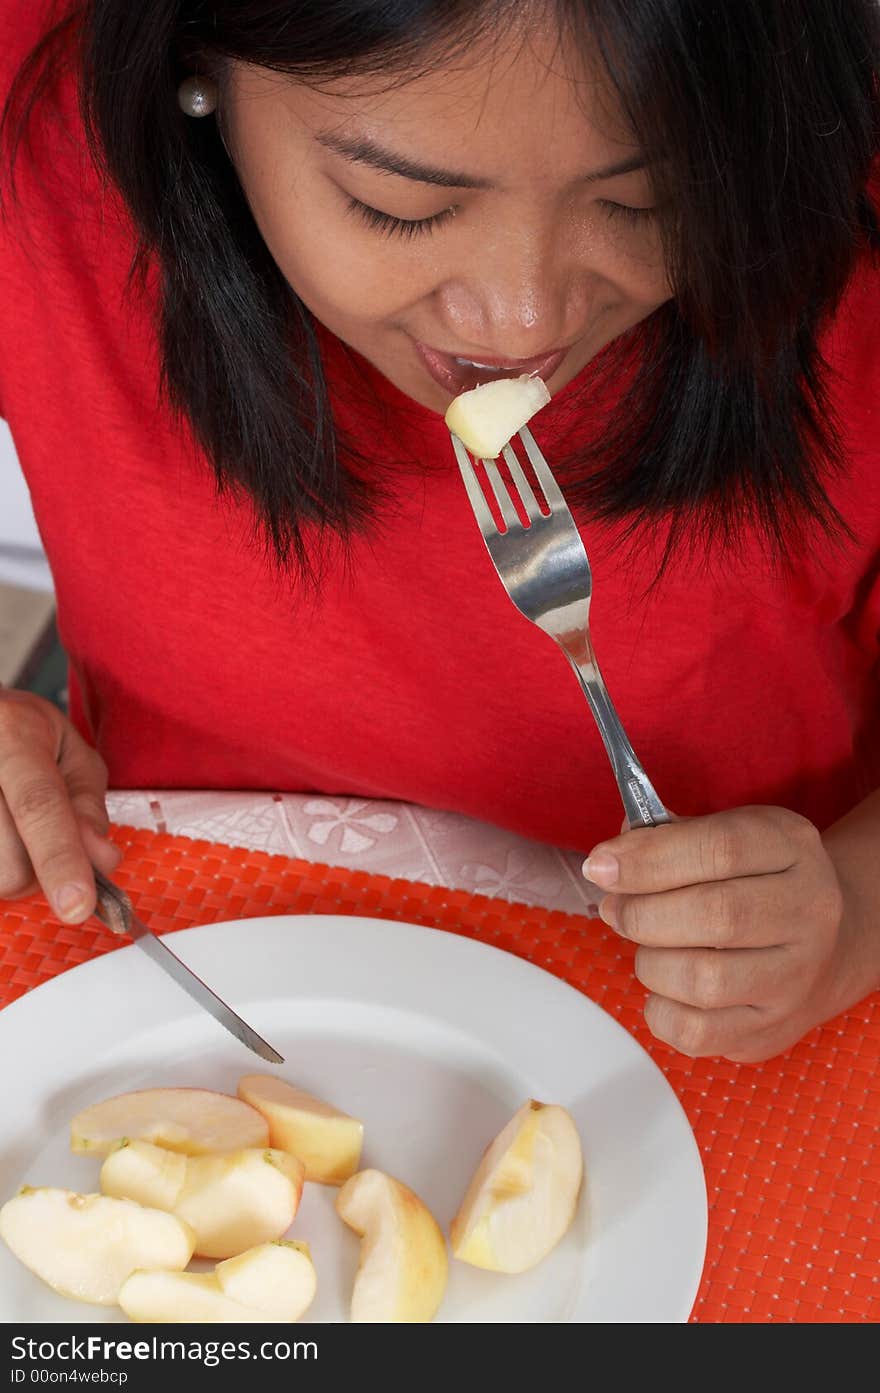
point(460, 374)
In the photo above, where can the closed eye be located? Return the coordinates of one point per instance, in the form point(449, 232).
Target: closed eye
point(399, 227)
point(627, 213)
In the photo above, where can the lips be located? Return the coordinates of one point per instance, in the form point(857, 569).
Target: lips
point(456, 377)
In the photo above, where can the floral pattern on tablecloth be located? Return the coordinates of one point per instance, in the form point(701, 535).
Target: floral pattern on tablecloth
point(395, 839)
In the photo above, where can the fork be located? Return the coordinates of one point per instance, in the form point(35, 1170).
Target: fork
point(544, 568)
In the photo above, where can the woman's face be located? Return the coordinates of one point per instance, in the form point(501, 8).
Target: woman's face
point(473, 213)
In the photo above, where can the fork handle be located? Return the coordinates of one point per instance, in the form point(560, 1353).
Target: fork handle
point(641, 804)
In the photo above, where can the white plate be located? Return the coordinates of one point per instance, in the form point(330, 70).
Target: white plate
point(434, 1041)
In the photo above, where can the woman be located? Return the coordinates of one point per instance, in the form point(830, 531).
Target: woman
point(267, 574)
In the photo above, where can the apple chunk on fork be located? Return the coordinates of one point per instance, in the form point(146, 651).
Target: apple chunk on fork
point(485, 418)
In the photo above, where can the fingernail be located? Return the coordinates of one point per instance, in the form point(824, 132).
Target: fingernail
point(608, 912)
point(603, 868)
point(70, 900)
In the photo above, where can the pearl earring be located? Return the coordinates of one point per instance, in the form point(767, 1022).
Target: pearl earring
point(197, 96)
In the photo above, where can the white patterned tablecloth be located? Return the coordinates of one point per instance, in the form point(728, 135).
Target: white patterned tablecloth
point(394, 839)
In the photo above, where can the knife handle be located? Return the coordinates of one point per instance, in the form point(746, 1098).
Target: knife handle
point(114, 908)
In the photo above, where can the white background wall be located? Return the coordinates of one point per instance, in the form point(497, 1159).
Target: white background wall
point(21, 554)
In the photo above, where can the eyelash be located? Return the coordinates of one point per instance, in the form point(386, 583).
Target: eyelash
point(416, 227)
point(630, 215)
point(400, 227)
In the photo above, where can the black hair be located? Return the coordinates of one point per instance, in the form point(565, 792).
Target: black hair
point(762, 116)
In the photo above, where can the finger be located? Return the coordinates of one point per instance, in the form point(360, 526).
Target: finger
point(100, 850)
point(39, 803)
point(17, 879)
point(85, 775)
point(706, 1034)
point(722, 846)
point(752, 912)
point(711, 980)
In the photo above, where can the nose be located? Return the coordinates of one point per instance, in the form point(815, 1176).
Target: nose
point(520, 298)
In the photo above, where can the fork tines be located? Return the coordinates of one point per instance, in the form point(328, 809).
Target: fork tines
point(519, 480)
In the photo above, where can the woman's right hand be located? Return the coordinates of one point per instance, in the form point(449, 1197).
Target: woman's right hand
point(53, 821)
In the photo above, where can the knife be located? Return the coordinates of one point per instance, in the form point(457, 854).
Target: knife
point(114, 909)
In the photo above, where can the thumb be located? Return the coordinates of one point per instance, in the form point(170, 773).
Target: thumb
point(626, 826)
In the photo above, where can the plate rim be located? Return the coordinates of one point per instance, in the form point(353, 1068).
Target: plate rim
point(44, 993)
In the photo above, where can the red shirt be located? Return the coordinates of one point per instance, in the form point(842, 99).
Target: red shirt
point(411, 676)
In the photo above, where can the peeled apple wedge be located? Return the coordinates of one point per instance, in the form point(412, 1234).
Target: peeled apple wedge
point(138, 1170)
point(279, 1278)
point(231, 1202)
point(523, 1195)
point(272, 1282)
point(235, 1202)
point(86, 1246)
point(194, 1121)
point(486, 417)
point(403, 1269)
point(328, 1142)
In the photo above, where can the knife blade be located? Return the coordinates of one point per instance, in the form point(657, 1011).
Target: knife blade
point(114, 909)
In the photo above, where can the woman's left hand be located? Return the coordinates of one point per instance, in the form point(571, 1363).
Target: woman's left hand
point(741, 928)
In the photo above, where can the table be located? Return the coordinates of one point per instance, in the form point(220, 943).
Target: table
point(393, 839)
point(790, 1147)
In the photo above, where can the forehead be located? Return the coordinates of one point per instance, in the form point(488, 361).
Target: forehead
point(533, 105)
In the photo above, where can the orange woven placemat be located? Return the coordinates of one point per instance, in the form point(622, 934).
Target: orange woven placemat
point(791, 1148)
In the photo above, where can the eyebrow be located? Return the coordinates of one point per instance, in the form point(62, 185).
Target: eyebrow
point(361, 150)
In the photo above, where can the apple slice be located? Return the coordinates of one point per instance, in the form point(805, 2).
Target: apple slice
point(186, 1297)
point(86, 1246)
point(523, 1195)
point(231, 1202)
point(272, 1282)
point(328, 1142)
point(151, 1175)
point(278, 1278)
point(238, 1201)
point(486, 417)
point(403, 1268)
point(195, 1121)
